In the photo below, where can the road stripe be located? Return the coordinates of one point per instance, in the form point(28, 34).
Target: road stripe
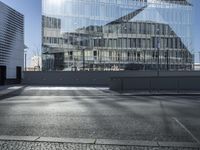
point(187, 130)
point(65, 88)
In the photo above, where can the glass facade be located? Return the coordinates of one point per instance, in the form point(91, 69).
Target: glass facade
point(117, 34)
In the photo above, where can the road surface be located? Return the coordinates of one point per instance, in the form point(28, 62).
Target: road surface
point(97, 113)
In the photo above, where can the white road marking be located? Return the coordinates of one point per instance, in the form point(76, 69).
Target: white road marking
point(65, 88)
point(185, 128)
point(15, 88)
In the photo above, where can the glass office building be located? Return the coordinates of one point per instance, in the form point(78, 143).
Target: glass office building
point(117, 34)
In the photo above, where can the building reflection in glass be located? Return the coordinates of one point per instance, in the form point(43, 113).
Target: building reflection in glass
point(117, 34)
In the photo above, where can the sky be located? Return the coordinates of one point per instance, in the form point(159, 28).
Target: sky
point(196, 28)
point(31, 9)
point(32, 12)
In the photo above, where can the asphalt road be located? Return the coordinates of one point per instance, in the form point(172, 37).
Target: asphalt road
point(100, 114)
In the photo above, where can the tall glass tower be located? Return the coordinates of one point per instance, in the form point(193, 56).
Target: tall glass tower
point(117, 34)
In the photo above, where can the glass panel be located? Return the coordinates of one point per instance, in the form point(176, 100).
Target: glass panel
point(117, 31)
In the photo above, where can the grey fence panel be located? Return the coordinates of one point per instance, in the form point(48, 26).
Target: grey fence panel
point(164, 83)
point(65, 78)
point(136, 83)
point(176, 83)
point(127, 80)
point(93, 78)
point(189, 83)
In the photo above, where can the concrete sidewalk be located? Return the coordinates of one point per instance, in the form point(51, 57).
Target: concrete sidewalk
point(7, 90)
point(46, 143)
point(3, 87)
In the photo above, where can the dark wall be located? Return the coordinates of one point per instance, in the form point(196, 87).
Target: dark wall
point(138, 79)
point(76, 78)
point(175, 83)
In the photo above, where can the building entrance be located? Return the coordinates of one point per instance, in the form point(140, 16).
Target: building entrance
point(2, 75)
point(19, 74)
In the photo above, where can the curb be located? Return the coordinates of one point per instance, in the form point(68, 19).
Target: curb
point(162, 94)
point(6, 93)
point(99, 141)
point(65, 140)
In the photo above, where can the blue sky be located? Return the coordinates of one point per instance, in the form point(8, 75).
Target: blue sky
point(32, 11)
point(196, 28)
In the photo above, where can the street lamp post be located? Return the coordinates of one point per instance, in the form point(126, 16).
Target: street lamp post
point(158, 50)
point(123, 29)
point(83, 59)
point(199, 56)
point(25, 60)
point(167, 60)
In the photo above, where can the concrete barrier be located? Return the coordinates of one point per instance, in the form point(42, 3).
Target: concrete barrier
point(123, 80)
point(93, 78)
point(174, 83)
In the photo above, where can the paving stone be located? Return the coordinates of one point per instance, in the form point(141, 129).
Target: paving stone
point(24, 145)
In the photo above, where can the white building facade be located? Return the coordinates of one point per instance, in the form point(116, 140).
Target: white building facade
point(36, 63)
point(11, 42)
